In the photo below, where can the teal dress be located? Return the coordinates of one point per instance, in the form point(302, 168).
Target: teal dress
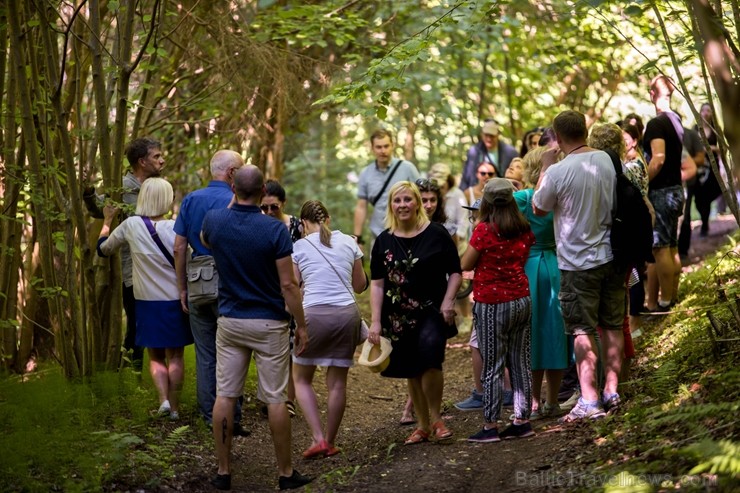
point(549, 342)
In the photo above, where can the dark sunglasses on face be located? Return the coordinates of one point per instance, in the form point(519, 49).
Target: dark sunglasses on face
point(489, 174)
point(425, 184)
point(270, 207)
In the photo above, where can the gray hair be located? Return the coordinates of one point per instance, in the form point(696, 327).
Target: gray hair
point(223, 161)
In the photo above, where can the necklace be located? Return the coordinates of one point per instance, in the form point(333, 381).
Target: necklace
point(574, 150)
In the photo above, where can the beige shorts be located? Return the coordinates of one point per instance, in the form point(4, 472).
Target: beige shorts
point(236, 340)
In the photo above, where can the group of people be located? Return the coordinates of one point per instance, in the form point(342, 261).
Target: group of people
point(545, 286)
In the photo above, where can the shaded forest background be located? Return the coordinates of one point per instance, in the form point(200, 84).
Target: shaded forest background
point(297, 87)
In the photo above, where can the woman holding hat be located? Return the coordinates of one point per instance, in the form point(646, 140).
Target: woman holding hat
point(415, 275)
point(498, 251)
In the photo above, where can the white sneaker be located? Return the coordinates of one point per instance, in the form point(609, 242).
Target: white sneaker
point(174, 415)
point(164, 409)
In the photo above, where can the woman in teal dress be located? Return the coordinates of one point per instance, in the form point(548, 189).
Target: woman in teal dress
point(549, 342)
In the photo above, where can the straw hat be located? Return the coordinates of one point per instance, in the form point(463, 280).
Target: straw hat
point(375, 356)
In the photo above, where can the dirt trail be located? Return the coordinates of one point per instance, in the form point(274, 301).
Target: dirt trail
point(375, 459)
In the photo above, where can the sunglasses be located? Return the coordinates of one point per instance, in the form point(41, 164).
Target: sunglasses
point(270, 207)
point(426, 184)
point(489, 174)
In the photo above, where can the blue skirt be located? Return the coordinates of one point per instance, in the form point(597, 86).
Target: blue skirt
point(162, 324)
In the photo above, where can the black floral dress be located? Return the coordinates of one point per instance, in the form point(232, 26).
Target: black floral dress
point(415, 273)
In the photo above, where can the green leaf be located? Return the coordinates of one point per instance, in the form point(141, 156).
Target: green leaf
point(381, 112)
point(113, 6)
point(161, 52)
point(33, 23)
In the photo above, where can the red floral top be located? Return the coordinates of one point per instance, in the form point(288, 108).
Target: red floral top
point(499, 272)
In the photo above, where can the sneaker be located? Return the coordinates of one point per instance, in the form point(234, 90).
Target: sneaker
point(291, 408)
point(174, 415)
point(610, 402)
point(222, 481)
point(239, 431)
point(164, 409)
point(485, 436)
point(572, 401)
point(583, 411)
point(508, 398)
point(474, 402)
point(517, 431)
point(295, 480)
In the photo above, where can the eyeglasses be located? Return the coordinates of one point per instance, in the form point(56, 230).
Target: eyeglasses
point(426, 184)
point(270, 207)
point(489, 174)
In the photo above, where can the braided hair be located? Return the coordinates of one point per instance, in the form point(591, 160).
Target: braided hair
point(314, 211)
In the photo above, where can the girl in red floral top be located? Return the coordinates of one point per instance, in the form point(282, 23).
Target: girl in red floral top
point(498, 250)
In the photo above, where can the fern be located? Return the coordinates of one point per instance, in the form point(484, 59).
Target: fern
point(692, 413)
point(721, 457)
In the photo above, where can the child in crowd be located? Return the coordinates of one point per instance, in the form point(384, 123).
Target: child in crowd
point(498, 250)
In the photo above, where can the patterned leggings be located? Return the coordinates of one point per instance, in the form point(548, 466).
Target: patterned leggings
point(504, 332)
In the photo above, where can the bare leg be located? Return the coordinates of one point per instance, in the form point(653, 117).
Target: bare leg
point(477, 368)
point(432, 383)
point(408, 411)
point(554, 378)
point(223, 424)
point(613, 352)
point(420, 403)
point(336, 383)
point(537, 376)
point(303, 379)
point(676, 273)
point(175, 372)
point(651, 296)
point(665, 267)
point(586, 360)
point(158, 370)
point(507, 379)
point(279, 420)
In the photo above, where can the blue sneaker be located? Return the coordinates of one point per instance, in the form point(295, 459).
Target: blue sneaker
point(473, 403)
point(485, 436)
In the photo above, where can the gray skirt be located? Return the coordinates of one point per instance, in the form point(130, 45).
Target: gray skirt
point(333, 334)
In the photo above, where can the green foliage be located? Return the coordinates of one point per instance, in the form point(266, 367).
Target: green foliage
point(721, 457)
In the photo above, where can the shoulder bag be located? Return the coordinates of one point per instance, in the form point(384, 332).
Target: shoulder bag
point(202, 280)
point(363, 325)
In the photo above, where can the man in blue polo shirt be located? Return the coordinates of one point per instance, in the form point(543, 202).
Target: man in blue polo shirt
point(217, 195)
point(253, 256)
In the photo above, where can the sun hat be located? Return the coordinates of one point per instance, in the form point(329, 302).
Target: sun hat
point(439, 172)
point(498, 191)
point(474, 206)
point(375, 356)
point(490, 127)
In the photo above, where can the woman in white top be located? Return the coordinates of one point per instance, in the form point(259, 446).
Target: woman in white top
point(328, 263)
point(161, 325)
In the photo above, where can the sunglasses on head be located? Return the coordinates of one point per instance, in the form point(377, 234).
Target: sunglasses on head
point(425, 184)
point(270, 207)
point(489, 174)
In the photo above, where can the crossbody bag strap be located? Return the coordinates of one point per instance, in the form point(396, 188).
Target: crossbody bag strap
point(336, 272)
point(157, 240)
point(387, 181)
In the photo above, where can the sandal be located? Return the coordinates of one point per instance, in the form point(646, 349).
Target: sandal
point(316, 450)
point(440, 431)
point(291, 408)
point(417, 436)
point(332, 450)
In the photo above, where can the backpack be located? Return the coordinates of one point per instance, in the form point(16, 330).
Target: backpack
point(632, 225)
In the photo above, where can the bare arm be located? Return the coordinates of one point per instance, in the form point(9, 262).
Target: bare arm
point(181, 251)
point(292, 295)
point(359, 278)
point(688, 168)
point(657, 159)
point(700, 158)
point(549, 158)
point(448, 303)
point(360, 216)
point(377, 286)
point(109, 213)
point(469, 258)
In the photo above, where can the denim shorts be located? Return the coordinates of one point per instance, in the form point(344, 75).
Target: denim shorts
point(668, 204)
point(593, 298)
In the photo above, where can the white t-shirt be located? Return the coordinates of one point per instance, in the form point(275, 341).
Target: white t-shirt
point(154, 278)
point(580, 190)
point(321, 285)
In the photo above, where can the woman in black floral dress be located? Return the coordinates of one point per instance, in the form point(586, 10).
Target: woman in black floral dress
point(415, 275)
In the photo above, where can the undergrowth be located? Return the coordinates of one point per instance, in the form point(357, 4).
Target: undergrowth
point(680, 424)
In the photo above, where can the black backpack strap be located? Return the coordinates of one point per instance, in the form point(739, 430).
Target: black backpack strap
point(387, 181)
point(615, 161)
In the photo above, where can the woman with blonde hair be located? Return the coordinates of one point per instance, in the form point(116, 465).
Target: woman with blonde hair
point(161, 325)
point(415, 276)
point(549, 344)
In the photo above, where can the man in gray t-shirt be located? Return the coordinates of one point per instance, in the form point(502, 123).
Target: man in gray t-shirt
point(371, 189)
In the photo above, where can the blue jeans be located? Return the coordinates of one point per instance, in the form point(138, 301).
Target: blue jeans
point(203, 323)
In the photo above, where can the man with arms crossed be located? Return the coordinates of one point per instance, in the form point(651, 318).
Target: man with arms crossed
point(386, 170)
point(580, 190)
point(253, 257)
point(217, 195)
